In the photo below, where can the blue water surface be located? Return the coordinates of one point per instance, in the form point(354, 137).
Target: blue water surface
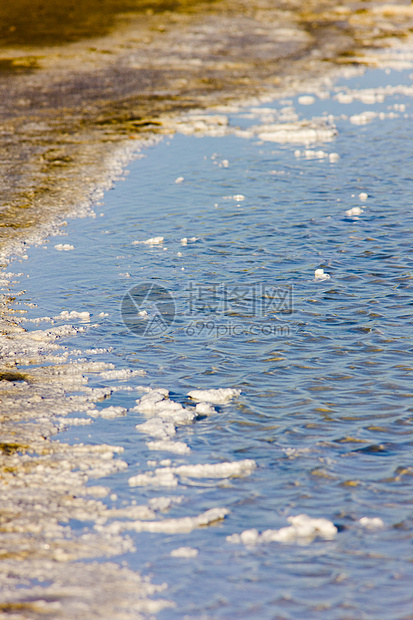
point(324, 367)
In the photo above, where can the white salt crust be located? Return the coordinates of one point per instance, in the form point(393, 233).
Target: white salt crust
point(354, 212)
point(205, 409)
point(306, 100)
point(184, 552)
point(371, 523)
point(177, 447)
point(320, 275)
point(186, 240)
point(69, 316)
point(299, 132)
point(64, 247)
point(168, 476)
point(166, 526)
point(122, 375)
point(151, 241)
point(303, 529)
point(219, 396)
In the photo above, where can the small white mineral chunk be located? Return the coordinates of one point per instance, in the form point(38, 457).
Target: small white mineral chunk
point(354, 211)
point(320, 275)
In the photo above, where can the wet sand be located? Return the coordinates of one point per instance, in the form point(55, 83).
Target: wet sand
point(78, 97)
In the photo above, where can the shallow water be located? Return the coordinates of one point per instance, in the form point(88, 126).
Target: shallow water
point(324, 366)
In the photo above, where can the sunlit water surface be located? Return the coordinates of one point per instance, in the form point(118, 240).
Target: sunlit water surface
point(326, 404)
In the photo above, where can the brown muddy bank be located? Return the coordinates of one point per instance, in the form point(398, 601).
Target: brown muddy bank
point(79, 84)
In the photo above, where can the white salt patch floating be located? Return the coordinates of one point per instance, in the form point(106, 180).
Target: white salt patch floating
point(238, 197)
point(185, 241)
point(300, 132)
point(165, 445)
point(306, 100)
point(157, 404)
point(303, 529)
point(363, 119)
point(164, 503)
point(308, 154)
point(179, 180)
point(64, 247)
point(219, 396)
point(168, 476)
point(214, 125)
point(102, 315)
point(205, 409)
point(217, 470)
point(334, 157)
point(155, 427)
point(371, 523)
point(363, 196)
point(344, 98)
point(159, 478)
point(147, 404)
point(53, 333)
point(184, 552)
point(180, 253)
point(320, 275)
point(151, 241)
point(108, 413)
point(84, 316)
point(122, 375)
point(167, 526)
point(354, 211)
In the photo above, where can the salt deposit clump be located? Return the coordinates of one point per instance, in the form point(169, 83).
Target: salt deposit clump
point(64, 247)
point(303, 529)
point(363, 196)
point(354, 212)
point(151, 241)
point(299, 132)
point(165, 445)
point(168, 476)
point(184, 552)
point(185, 240)
point(121, 375)
point(219, 396)
point(371, 523)
point(306, 100)
point(84, 316)
point(167, 526)
point(320, 275)
point(205, 409)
